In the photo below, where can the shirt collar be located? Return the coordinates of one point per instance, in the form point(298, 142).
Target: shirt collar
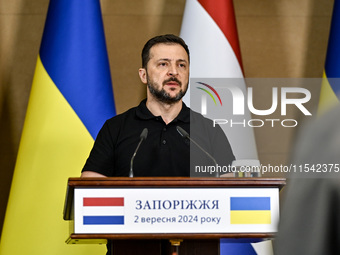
point(143, 112)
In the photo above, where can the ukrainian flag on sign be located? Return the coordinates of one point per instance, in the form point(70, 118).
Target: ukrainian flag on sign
point(250, 210)
point(330, 89)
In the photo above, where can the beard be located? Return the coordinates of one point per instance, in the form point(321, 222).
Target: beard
point(163, 96)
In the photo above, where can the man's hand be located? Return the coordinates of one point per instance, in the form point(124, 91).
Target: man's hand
point(91, 174)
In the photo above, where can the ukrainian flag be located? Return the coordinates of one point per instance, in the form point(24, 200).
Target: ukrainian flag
point(330, 89)
point(70, 99)
point(250, 210)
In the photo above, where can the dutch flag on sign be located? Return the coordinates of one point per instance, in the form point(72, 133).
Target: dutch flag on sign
point(103, 210)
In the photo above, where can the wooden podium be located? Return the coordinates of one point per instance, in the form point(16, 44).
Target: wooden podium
point(148, 212)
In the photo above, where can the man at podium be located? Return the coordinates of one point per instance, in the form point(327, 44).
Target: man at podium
point(153, 138)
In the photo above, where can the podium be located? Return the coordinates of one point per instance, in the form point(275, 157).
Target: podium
point(155, 210)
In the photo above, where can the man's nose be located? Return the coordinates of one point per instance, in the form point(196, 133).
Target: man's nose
point(172, 70)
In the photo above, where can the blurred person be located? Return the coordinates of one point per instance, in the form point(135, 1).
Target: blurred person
point(310, 218)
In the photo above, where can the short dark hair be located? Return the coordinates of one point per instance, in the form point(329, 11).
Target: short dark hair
point(166, 39)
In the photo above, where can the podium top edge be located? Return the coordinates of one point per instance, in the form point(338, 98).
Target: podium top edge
point(174, 182)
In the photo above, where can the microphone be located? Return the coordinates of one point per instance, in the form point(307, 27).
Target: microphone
point(185, 135)
point(142, 136)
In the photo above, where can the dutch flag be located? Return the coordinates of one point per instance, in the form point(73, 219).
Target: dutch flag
point(103, 210)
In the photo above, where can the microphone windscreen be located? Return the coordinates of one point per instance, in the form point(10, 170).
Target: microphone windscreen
point(144, 134)
point(182, 132)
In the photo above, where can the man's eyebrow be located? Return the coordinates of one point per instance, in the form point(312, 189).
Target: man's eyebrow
point(168, 59)
point(164, 59)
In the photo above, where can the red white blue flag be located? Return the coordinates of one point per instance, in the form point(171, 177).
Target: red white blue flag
point(103, 211)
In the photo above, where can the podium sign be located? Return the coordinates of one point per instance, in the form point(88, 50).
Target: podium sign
point(176, 210)
point(144, 207)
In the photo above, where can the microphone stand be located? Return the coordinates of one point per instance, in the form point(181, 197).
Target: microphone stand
point(143, 136)
point(184, 134)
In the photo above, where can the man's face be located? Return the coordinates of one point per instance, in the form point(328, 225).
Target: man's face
point(167, 72)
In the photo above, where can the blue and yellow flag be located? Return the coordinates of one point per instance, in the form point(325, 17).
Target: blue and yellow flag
point(330, 89)
point(70, 99)
point(250, 210)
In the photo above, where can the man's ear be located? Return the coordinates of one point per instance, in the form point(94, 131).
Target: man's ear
point(142, 75)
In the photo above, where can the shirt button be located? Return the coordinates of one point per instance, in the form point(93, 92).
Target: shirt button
point(164, 141)
point(164, 129)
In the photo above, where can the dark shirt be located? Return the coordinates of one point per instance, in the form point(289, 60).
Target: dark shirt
point(164, 152)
